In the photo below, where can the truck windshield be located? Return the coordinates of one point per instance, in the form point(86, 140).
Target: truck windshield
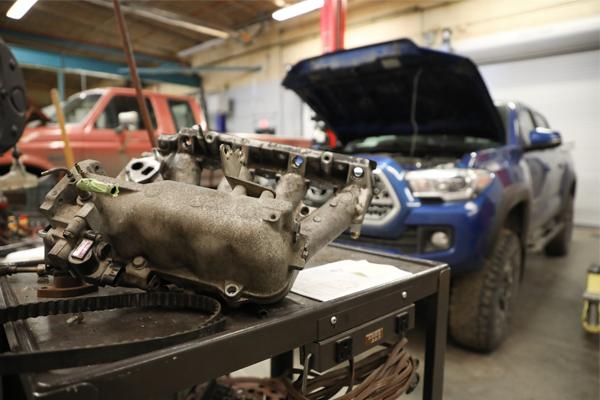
point(77, 107)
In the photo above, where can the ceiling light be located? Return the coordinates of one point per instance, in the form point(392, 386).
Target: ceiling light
point(299, 8)
point(20, 8)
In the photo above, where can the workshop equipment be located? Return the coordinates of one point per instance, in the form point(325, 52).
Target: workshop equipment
point(135, 79)
point(13, 113)
point(17, 178)
point(252, 333)
point(590, 316)
point(13, 103)
point(383, 375)
point(107, 352)
point(154, 225)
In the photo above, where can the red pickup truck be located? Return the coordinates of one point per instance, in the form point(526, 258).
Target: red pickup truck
point(104, 124)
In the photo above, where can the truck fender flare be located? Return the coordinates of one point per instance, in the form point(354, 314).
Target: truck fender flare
point(513, 196)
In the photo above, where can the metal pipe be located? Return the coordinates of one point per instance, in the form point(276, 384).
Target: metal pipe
point(133, 72)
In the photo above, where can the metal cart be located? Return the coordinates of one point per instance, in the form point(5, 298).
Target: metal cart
point(252, 334)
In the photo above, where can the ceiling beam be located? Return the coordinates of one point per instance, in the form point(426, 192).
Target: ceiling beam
point(85, 65)
point(83, 45)
point(166, 70)
point(106, 29)
point(168, 18)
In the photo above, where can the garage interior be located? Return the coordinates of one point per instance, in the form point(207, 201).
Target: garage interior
point(387, 110)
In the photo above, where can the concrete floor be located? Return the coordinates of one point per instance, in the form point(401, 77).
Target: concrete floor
point(547, 356)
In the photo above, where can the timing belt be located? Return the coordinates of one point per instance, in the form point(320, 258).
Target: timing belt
point(37, 361)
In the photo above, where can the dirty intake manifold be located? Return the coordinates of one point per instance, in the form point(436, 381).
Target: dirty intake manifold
point(154, 225)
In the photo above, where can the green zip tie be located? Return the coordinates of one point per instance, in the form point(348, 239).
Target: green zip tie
point(94, 185)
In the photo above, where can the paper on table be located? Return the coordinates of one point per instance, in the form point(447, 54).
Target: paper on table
point(341, 278)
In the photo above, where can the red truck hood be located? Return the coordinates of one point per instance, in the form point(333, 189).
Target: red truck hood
point(47, 133)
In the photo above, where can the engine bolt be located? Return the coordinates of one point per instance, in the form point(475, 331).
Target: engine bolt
point(333, 320)
point(297, 161)
point(138, 262)
point(358, 172)
point(305, 253)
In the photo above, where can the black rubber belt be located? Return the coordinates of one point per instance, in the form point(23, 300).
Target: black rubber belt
point(38, 361)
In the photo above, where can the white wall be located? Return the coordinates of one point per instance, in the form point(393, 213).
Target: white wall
point(370, 21)
point(566, 89)
point(265, 101)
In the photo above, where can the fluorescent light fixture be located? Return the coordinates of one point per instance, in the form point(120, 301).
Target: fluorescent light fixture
point(20, 8)
point(299, 8)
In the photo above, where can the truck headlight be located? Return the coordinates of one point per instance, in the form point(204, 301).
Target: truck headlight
point(448, 184)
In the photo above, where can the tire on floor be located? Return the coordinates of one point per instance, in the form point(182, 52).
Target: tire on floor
point(482, 301)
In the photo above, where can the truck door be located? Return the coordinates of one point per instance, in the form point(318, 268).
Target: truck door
point(114, 145)
point(557, 159)
point(543, 165)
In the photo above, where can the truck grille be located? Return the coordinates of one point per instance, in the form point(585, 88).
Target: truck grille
point(384, 205)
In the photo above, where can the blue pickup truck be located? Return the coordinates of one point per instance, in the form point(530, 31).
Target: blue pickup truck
point(459, 179)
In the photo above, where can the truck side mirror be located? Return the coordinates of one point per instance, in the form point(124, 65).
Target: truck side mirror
point(128, 121)
point(542, 138)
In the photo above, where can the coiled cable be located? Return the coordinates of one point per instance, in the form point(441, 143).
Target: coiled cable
point(384, 375)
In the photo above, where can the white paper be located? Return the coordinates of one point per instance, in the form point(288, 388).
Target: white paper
point(36, 253)
point(342, 278)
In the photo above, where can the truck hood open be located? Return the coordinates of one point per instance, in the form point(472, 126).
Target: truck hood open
point(396, 88)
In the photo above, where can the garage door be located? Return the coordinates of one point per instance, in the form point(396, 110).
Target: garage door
point(566, 89)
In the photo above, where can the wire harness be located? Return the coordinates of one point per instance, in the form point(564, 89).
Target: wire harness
point(383, 375)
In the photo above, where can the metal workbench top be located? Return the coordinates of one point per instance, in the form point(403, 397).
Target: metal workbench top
point(252, 333)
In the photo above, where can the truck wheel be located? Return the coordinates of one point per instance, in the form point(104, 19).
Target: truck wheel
point(559, 245)
point(482, 301)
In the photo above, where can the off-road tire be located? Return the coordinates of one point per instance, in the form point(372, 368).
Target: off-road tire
point(482, 301)
point(559, 245)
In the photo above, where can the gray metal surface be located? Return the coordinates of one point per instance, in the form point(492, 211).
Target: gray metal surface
point(253, 333)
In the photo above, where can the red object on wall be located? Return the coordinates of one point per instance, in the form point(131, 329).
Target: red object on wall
point(333, 25)
point(333, 28)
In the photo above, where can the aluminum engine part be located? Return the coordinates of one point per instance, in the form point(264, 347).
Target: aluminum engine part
point(154, 225)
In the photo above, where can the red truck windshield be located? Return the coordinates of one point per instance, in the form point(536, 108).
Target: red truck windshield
point(76, 108)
